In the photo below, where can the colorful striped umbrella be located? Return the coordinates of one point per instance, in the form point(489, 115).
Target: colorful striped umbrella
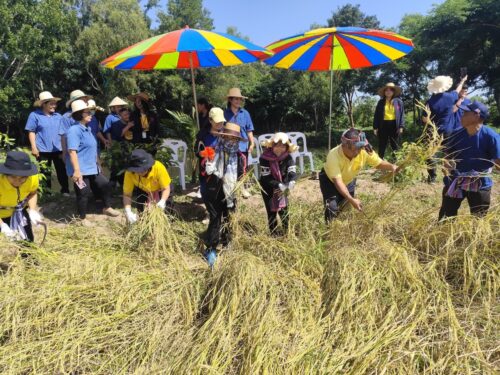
point(186, 49)
point(338, 48)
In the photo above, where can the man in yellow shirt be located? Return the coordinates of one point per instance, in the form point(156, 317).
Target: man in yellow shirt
point(18, 190)
point(151, 180)
point(337, 179)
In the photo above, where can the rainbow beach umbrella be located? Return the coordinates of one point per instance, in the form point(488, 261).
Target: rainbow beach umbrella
point(186, 49)
point(338, 48)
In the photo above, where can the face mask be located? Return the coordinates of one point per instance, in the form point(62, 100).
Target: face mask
point(230, 145)
point(92, 113)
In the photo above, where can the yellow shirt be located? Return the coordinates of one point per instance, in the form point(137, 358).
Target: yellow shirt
point(157, 179)
point(338, 165)
point(11, 196)
point(389, 111)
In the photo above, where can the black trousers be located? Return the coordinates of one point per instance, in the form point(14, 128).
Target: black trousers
point(272, 217)
point(99, 186)
point(479, 203)
point(27, 227)
point(387, 133)
point(141, 199)
point(56, 159)
point(332, 199)
point(218, 228)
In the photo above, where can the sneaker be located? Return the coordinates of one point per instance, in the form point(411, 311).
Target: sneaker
point(246, 194)
point(198, 194)
point(111, 212)
point(211, 257)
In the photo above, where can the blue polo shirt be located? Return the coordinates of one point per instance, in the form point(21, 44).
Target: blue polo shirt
point(81, 140)
point(112, 117)
point(474, 153)
point(66, 122)
point(243, 119)
point(441, 106)
point(116, 130)
point(46, 129)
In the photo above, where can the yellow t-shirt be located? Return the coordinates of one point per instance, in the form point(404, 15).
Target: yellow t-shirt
point(11, 196)
point(389, 111)
point(157, 179)
point(338, 165)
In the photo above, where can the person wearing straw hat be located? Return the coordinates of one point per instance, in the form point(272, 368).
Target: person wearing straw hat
point(150, 180)
point(389, 118)
point(441, 106)
point(146, 124)
point(67, 121)
point(42, 126)
point(83, 162)
point(18, 197)
point(114, 108)
point(471, 152)
point(337, 179)
point(219, 166)
point(121, 129)
point(278, 176)
point(236, 114)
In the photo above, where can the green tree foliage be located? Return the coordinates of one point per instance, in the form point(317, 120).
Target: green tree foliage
point(182, 13)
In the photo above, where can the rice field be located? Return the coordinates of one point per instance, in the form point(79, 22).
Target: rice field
point(389, 291)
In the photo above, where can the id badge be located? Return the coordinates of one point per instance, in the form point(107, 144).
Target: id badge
point(144, 135)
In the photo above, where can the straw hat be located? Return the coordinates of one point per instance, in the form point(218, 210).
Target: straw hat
point(390, 85)
point(280, 137)
point(79, 105)
point(231, 130)
point(235, 92)
point(216, 114)
point(43, 97)
point(439, 84)
point(75, 95)
point(117, 101)
point(141, 95)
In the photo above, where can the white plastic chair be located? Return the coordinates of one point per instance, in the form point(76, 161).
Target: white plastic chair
point(299, 139)
point(254, 161)
point(178, 160)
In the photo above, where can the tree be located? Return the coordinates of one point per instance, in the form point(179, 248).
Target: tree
point(181, 13)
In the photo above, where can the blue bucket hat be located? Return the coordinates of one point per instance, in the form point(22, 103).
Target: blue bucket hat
point(478, 107)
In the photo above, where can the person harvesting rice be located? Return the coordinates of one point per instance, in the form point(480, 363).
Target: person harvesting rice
point(471, 153)
point(220, 165)
point(278, 177)
point(337, 179)
point(18, 191)
point(149, 179)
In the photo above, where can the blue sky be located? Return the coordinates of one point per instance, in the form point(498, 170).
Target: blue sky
point(265, 21)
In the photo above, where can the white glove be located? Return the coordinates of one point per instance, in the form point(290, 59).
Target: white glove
point(210, 167)
point(161, 204)
point(282, 187)
point(291, 185)
point(35, 217)
point(131, 217)
point(9, 233)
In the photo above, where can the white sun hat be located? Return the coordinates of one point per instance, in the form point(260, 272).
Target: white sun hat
point(117, 101)
point(79, 105)
point(75, 95)
point(439, 84)
point(280, 137)
point(45, 96)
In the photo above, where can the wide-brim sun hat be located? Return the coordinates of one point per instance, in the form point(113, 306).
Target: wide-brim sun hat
point(79, 105)
point(280, 137)
point(117, 101)
point(140, 161)
point(216, 114)
point(75, 95)
point(439, 84)
point(45, 96)
point(144, 96)
point(390, 85)
point(18, 163)
point(235, 92)
point(231, 130)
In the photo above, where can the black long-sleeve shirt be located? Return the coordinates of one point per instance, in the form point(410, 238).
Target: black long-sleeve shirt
point(268, 182)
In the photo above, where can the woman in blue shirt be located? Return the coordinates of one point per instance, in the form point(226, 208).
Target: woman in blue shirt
point(43, 133)
point(83, 164)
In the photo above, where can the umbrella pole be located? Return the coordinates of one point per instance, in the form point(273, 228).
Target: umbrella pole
point(194, 90)
point(330, 117)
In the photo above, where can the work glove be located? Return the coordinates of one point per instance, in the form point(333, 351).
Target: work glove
point(209, 167)
point(9, 233)
point(291, 185)
point(131, 217)
point(282, 186)
point(161, 204)
point(35, 217)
